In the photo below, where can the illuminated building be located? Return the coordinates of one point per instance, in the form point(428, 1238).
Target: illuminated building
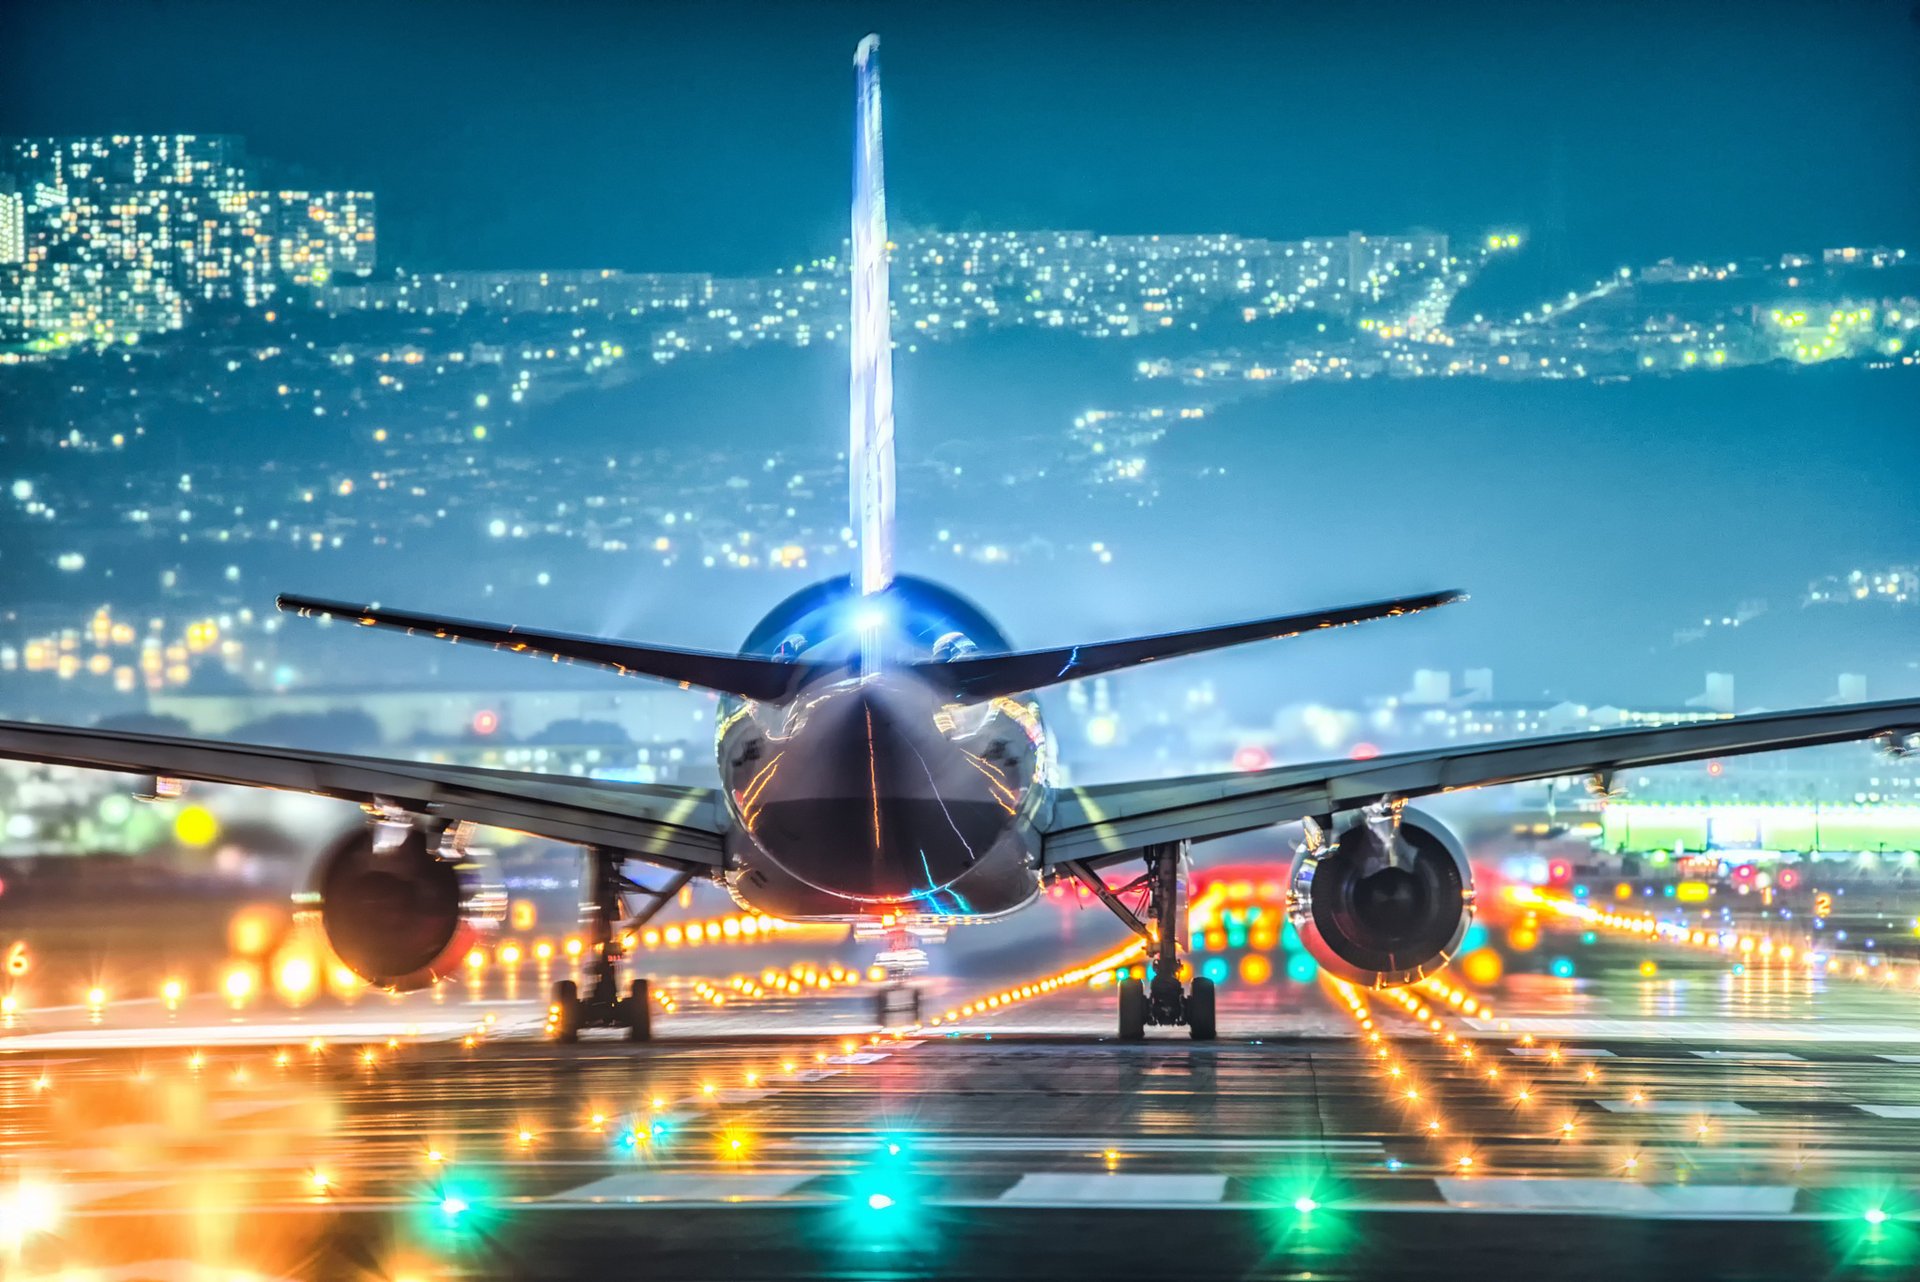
point(117, 236)
point(13, 224)
point(318, 235)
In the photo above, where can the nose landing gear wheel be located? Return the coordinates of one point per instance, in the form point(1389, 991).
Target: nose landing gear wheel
point(896, 1005)
point(1133, 1010)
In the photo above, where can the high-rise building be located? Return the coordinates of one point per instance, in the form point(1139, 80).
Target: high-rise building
point(119, 235)
point(321, 234)
point(13, 223)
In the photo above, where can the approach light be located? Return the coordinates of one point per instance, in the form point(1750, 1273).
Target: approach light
point(1875, 1216)
point(878, 1202)
point(1305, 1205)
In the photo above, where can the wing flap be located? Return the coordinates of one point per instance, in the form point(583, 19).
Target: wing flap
point(750, 678)
point(1107, 820)
point(676, 826)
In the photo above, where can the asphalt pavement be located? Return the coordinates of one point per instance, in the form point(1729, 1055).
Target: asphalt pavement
point(1696, 1122)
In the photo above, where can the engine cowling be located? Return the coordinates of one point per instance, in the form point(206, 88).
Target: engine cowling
point(1384, 902)
point(401, 906)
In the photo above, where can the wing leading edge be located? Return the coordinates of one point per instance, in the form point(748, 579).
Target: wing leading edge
point(673, 826)
point(1112, 819)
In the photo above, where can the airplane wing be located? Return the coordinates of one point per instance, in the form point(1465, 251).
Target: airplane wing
point(746, 676)
point(988, 676)
point(1110, 821)
point(673, 826)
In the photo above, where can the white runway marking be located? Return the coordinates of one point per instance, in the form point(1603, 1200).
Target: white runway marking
point(1082, 1144)
point(1766, 1055)
point(660, 1186)
point(1893, 1112)
point(1677, 1107)
point(212, 1035)
point(1566, 1052)
point(1699, 1030)
point(1092, 1188)
point(1617, 1197)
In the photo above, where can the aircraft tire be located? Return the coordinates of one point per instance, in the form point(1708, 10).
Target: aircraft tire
point(639, 1011)
point(1133, 1010)
point(1200, 1025)
point(566, 1015)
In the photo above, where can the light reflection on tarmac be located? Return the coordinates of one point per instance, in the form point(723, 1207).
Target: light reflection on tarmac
point(1763, 1125)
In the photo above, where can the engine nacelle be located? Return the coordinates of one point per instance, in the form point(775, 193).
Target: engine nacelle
point(401, 905)
point(1383, 903)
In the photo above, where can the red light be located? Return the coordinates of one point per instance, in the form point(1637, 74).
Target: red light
point(1252, 757)
point(1715, 769)
point(1743, 873)
point(485, 721)
point(1788, 879)
point(1364, 751)
point(1559, 872)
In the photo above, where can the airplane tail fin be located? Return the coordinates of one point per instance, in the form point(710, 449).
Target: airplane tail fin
point(870, 456)
point(989, 676)
point(749, 678)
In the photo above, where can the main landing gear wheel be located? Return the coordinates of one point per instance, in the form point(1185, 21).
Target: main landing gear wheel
point(1133, 1010)
point(1200, 1009)
point(563, 1016)
point(637, 1011)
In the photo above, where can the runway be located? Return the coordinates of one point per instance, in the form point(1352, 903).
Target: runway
point(1586, 1128)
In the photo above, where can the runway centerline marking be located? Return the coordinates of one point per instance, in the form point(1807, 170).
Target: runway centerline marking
point(666, 1186)
point(1617, 1197)
point(1102, 1189)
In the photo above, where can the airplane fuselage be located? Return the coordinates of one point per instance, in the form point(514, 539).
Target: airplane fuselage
point(870, 796)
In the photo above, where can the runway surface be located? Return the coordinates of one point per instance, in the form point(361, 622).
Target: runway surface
point(1696, 1122)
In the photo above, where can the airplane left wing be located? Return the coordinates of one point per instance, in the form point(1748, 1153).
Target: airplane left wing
point(676, 827)
point(1111, 821)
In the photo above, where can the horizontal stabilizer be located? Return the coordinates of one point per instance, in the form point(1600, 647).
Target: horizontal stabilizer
point(750, 678)
point(989, 676)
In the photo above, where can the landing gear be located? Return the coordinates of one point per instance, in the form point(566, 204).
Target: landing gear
point(603, 1007)
point(1162, 1001)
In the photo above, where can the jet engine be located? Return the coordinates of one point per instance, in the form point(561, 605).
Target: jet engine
point(1384, 902)
point(401, 904)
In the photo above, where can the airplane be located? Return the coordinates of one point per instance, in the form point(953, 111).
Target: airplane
point(884, 763)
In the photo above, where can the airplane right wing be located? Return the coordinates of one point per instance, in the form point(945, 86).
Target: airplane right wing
point(1113, 821)
point(987, 676)
point(676, 827)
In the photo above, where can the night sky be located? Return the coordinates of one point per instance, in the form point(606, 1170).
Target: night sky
point(716, 136)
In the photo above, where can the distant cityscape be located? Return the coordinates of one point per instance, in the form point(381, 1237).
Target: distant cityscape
point(165, 270)
point(176, 284)
point(118, 238)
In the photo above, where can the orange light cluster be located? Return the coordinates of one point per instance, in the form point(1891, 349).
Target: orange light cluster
point(1420, 1100)
point(736, 928)
point(1455, 996)
point(1093, 971)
